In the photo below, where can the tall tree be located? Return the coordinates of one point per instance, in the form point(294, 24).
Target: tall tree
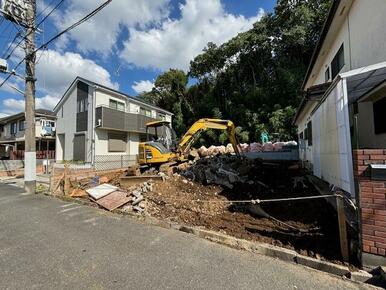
point(253, 79)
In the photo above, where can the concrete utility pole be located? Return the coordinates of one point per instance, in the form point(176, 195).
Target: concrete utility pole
point(30, 142)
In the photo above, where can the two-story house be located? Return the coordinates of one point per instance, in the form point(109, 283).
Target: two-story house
point(12, 135)
point(101, 126)
point(341, 120)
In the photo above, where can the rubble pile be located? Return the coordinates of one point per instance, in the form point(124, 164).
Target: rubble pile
point(211, 192)
point(244, 147)
point(138, 202)
point(226, 170)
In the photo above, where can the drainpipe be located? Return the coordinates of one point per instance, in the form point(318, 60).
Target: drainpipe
point(93, 100)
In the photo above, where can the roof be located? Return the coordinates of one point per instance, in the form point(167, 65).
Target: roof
point(322, 37)
point(315, 54)
point(314, 93)
point(94, 84)
point(38, 112)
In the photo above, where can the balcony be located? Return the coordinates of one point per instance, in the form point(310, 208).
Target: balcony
point(108, 118)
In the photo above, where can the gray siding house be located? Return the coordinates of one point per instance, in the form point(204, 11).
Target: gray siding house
point(100, 126)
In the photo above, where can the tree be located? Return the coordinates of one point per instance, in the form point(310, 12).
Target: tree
point(254, 79)
point(169, 93)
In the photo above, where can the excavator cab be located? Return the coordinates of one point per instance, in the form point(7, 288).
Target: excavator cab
point(160, 143)
point(161, 146)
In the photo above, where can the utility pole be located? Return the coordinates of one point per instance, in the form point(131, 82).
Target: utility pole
point(30, 135)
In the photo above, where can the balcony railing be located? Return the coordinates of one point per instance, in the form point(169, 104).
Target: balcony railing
point(108, 118)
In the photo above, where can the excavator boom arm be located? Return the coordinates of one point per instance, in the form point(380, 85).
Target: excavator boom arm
point(203, 124)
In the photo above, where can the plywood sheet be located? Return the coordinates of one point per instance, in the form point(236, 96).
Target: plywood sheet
point(113, 200)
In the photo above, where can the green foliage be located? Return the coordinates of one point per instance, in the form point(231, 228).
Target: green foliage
point(253, 79)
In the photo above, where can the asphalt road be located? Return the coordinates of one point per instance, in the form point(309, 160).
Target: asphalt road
point(46, 243)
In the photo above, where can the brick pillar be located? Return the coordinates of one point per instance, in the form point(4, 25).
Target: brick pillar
point(372, 196)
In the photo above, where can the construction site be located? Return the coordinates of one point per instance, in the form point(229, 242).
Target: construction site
point(257, 192)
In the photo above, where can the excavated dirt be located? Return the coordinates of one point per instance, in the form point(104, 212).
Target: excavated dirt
point(310, 226)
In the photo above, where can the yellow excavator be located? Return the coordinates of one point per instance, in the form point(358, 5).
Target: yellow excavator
point(161, 146)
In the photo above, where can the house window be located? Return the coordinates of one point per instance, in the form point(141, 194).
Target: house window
point(338, 62)
point(379, 109)
point(117, 142)
point(47, 123)
point(82, 106)
point(162, 117)
point(21, 125)
point(327, 75)
point(145, 112)
point(13, 128)
point(116, 105)
point(309, 133)
point(61, 111)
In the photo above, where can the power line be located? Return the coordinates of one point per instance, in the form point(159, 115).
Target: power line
point(49, 13)
point(40, 22)
point(10, 45)
point(44, 45)
point(44, 10)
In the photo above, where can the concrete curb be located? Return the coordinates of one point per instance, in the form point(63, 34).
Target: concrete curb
point(250, 246)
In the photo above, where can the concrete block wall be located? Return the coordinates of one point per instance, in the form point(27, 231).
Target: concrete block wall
point(372, 196)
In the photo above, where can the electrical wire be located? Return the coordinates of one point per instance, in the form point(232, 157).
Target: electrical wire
point(40, 22)
point(10, 45)
point(44, 45)
point(44, 10)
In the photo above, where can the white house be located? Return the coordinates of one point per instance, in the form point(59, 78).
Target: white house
point(341, 120)
point(101, 126)
point(12, 135)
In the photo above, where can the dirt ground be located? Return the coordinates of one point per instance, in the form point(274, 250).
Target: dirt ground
point(310, 227)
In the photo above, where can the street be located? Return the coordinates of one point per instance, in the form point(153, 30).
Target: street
point(47, 243)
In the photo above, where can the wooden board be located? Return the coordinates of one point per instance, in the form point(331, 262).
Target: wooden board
point(114, 200)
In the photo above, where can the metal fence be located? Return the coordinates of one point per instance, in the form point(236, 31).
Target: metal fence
point(105, 162)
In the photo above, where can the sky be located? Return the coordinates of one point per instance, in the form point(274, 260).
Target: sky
point(125, 46)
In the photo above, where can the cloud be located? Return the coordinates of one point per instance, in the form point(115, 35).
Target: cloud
point(101, 32)
point(142, 86)
point(55, 72)
point(176, 42)
point(12, 106)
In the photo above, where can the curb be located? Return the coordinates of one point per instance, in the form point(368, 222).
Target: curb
point(241, 244)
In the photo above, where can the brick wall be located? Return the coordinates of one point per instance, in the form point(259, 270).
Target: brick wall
point(372, 200)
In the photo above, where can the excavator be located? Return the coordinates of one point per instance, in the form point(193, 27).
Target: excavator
point(161, 147)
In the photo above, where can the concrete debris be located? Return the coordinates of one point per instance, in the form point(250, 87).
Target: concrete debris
point(243, 147)
point(225, 170)
point(138, 203)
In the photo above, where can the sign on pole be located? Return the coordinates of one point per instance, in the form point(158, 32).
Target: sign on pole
point(15, 10)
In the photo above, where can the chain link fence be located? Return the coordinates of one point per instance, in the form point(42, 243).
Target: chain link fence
point(105, 162)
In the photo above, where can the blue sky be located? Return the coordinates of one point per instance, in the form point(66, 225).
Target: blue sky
point(126, 45)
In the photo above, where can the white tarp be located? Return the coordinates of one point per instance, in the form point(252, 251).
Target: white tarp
point(332, 157)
